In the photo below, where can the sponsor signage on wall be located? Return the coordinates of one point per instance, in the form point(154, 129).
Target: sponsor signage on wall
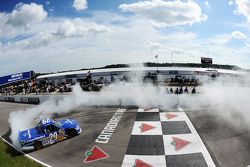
point(9, 99)
point(15, 77)
point(33, 100)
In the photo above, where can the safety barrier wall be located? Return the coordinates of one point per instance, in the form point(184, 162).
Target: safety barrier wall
point(29, 99)
point(38, 99)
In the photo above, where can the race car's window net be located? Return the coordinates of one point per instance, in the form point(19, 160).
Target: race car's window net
point(50, 128)
point(39, 128)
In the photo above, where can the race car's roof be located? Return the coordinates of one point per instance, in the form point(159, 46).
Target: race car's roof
point(47, 121)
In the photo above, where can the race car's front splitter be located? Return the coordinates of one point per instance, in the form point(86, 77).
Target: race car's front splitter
point(28, 148)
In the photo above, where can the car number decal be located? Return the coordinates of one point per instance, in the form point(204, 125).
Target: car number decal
point(46, 121)
point(52, 137)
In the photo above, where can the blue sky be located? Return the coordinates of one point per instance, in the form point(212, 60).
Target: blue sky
point(64, 7)
point(59, 35)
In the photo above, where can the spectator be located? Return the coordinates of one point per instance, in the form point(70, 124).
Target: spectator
point(180, 90)
point(171, 90)
point(177, 91)
point(47, 90)
point(186, 90)
point(193, 90)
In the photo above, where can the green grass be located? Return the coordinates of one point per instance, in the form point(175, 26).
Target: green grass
point(9, 157)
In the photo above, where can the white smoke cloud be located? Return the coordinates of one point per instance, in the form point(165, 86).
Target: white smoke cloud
point(227, 97)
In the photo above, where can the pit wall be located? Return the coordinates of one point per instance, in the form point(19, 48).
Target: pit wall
point(29, 99)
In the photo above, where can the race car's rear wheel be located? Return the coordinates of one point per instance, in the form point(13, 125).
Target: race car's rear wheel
point(71, 133)
point(38, 145)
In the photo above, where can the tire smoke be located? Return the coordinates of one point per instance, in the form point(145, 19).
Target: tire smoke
point(224, 97)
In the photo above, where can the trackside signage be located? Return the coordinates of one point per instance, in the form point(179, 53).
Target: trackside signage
point(15, 77)
point(110, 127)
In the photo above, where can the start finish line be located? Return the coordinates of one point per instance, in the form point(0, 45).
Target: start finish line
point(110, 127)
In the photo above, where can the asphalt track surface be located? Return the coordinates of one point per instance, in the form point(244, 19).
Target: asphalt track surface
point(228, 144)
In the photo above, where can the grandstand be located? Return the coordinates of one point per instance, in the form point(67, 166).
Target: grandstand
point(114, 74)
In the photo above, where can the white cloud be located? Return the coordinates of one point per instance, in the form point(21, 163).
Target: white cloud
point(166, 13)
point(70, 28)
point(219, 39)
point(110, 38)
point(243, 8)
point(80, 4)
point(52, 9)
point(67, 29)
point(79, 28)
point(223, 39)
point(238, 35)
point(207, 4)
point(153, 46)
point(230, 3)
point(26, 14)
point(248, 45)
point(39, 40)
point(235, 12)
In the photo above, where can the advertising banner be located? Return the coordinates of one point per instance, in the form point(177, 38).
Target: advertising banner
point(15, 77)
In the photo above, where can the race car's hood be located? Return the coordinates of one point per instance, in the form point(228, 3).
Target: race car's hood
point(27, 134)
point(68, 123)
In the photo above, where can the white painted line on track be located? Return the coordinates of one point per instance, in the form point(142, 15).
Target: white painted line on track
point(26, 155)
point(205, 152)
point(180, 109)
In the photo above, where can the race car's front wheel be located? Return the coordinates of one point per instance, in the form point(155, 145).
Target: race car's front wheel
point(71, 133)
point(38, 145)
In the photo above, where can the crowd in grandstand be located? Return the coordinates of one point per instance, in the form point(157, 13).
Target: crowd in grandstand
point(87, 84)
point(24, 88)
point(36, 88)
point(47, 87)
point(182, 80)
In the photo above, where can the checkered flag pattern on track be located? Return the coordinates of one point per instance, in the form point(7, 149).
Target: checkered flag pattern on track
point(165, 139)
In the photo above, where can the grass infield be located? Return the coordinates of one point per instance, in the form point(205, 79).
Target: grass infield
point(9, 157)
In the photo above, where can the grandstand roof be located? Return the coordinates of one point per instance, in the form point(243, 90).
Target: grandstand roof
point(140, 69)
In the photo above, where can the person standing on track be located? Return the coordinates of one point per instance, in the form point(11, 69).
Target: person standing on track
point(193, 90)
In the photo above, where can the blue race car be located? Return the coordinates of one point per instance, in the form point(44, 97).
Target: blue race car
point(47, 132)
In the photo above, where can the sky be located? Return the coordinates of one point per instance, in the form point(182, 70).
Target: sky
point(57, 35)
